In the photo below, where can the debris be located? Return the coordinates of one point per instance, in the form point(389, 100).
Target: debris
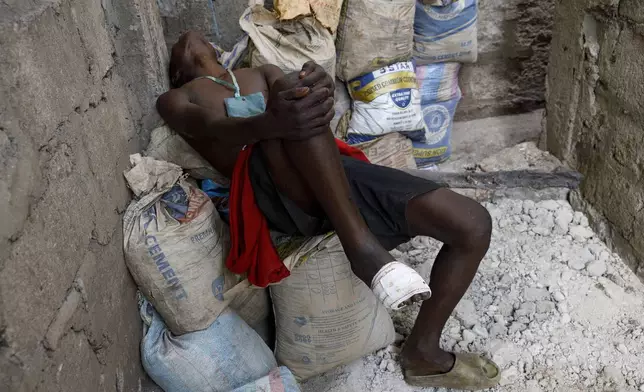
point(549, 327)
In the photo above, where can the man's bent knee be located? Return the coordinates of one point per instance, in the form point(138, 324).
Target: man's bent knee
point(451, 218)
point(478, 230)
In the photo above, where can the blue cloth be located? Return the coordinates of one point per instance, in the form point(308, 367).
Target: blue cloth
point(240, 106)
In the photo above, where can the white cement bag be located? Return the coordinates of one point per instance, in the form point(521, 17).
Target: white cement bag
point(325, 315)
point(287, 44)
point(224, 356)
point(341, 106)
point(446, 33)
point(440, 95)
point(373, 34)
point(385, 101)
point(175, 247)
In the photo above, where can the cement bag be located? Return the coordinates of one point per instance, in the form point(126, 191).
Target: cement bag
point(166, 145)
point(226, 355)
point(325, 315)
point(342, 105)
point(278, 380)
point(446, 33)
point(440, 96)
point(385, 101)
point(254, 306)
point(327, 12)
point(392, 150)
point(175, 246)
point(287, 44)
point(373, 34)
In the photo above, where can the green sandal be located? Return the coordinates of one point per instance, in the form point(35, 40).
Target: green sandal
point(470, 372)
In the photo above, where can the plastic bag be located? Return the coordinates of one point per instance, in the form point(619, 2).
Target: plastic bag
point(287, 44)
point(440, 95)
point(327, 12)
point(385, 101)
point(373, 34)
point(325, 315)
point(446, 33)
point(278, 380)
point(226, 355)
point(175, 247)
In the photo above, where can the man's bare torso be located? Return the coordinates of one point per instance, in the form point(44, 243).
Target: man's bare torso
point(210, 95)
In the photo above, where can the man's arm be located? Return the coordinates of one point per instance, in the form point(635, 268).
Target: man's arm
point(197, 123)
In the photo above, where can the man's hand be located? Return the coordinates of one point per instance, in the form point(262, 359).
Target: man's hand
point(300, 105)
point(314, 76)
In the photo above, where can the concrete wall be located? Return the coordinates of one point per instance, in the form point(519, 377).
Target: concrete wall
point(78, 84)
point(217, 19)
point(595, 113)
point(509, 77)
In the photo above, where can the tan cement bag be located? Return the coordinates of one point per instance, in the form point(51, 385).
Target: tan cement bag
point(327, 12)
point(287, 44)
point(373, 34)
point(175, 247)
point(166, 145)
point(325, 315)
point(392, 150)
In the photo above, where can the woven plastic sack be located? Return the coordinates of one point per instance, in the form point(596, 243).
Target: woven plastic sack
point(226, 355)
point(287, 44)
point(385, 101)
point(327, 12)
point(175, 247)
point(446, 33)
point(278, 380)
point(440, 95)
point(373, 34)
point(325, 315)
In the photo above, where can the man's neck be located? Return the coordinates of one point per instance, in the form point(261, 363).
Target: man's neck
point(213, 69)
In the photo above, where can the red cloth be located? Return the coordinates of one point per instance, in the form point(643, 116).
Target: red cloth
point(252, 251)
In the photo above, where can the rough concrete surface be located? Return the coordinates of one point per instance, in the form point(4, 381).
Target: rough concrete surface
point(217, 19)
point(475, 140)
point(595, 114)
point(509, 77)
point(79, 80)
point(551, 305)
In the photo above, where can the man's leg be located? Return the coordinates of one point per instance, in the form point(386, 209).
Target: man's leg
point(310, 173)
point(464, 227)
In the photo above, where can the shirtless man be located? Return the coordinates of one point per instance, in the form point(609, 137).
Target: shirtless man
point(303, 186)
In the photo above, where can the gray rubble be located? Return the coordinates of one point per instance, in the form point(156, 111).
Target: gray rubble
point(552, 305)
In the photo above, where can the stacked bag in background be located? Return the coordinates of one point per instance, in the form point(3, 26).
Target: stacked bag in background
point(440, 95)
point(445, 31)
point(445, 35)
point(287, 44)
point(374, 47)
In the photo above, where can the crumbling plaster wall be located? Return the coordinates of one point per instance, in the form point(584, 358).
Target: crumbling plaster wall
point(509, 77)
point(78, 82)
point(595, 114)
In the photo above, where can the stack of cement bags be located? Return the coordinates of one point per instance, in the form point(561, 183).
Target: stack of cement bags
point(209, 330)
point(444, 37)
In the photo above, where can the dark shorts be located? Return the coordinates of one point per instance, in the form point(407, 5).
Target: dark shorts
point(380, 193)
